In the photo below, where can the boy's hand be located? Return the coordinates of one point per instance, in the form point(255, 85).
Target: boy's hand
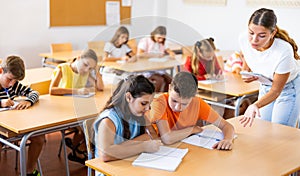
point(7, 103)
point(23, 105)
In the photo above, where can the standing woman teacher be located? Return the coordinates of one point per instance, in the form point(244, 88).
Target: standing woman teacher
point(270, 51)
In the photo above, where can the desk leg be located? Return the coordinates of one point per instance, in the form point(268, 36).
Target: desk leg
point(23, 154)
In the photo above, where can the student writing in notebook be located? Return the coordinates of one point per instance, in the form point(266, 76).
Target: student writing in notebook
point(156, 46)
point(177, 113)
point(117, 48)
point(79, 77)
point(12, 71)
point(121, 128)
point(268, 50)
point(203, 63)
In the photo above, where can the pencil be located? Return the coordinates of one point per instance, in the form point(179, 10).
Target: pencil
point(7, 93)
point(148, 132)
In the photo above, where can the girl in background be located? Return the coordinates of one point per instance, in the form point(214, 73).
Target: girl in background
point(203, 63)
point(117, 48)
point(79, 77)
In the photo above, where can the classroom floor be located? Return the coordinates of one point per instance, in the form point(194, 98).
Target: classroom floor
point(52, 165)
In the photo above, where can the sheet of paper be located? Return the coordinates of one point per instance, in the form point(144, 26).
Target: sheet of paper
point(211, 81)
point(112, 12)
point(126, 3)
point(261, 78)
point(153, 59)
point(82, 96)
point(167, 158)
point(206, 139)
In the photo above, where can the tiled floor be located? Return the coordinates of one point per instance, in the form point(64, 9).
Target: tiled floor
point(52, 165)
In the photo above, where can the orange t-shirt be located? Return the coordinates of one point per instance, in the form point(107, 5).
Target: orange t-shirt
point(197, 110)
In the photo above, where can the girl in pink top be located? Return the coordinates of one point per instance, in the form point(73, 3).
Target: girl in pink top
point(155, 44)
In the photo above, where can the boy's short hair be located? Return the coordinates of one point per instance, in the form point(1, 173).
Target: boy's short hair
point(15, 66)
point(185, 84)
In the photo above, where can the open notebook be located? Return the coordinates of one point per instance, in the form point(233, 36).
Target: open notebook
point(167, 158)
point(206, 139)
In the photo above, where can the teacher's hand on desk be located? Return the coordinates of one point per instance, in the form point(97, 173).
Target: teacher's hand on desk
point(251, 112)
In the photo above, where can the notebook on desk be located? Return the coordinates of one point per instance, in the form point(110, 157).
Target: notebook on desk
point(11, 107)
point(206, 139)
point(167, 158)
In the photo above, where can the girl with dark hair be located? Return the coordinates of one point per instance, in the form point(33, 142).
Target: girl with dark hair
point(120, 127)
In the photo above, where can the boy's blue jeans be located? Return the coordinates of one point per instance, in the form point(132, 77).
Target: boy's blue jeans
point(285, 109)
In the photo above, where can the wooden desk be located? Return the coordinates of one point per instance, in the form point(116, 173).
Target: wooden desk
point(143, 64)
point(51, 113)
point(264, 149)
point(58, 57)
point(233, 86)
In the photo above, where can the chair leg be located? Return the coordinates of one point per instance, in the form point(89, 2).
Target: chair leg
point(60, 146)
point(63, 144)
point(39, 167)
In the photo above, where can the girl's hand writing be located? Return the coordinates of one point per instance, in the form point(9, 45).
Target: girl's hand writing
point(152, 145)
point(249, 115)
point(83, 91)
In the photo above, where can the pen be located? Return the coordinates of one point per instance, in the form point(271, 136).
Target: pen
point(7, 93)
point(148, 132)
point(208, 137)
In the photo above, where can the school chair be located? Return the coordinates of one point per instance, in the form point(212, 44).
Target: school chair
point(133, 45)
point(55, 48)
point(89, 139)
point(98, 47)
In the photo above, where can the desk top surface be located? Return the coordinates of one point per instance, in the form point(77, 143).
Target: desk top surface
point(264, 149)
point(145, 64)
point(52, 111)
point(233, 86)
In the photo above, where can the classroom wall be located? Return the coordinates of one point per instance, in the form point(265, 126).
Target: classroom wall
point(225, 23)
point(25, 29)
point(25, 25)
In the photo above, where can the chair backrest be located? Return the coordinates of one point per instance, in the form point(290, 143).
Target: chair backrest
point(60, 47)
point(98, 47)
point(132, 44)
point(89, 139)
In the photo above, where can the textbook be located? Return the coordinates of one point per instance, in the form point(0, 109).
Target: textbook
point(261, 78)
point(167, 158)
point(206, 139)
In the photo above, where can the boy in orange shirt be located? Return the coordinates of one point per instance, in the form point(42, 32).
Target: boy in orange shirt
point(177, 113)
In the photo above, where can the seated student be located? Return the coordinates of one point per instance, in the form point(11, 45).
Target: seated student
point(203, 63)
point(79, 77)
point(177, 113)
point(11, 72)
point(120, 127)
point(234, 63)
point(156, 46)
point(117, 48)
